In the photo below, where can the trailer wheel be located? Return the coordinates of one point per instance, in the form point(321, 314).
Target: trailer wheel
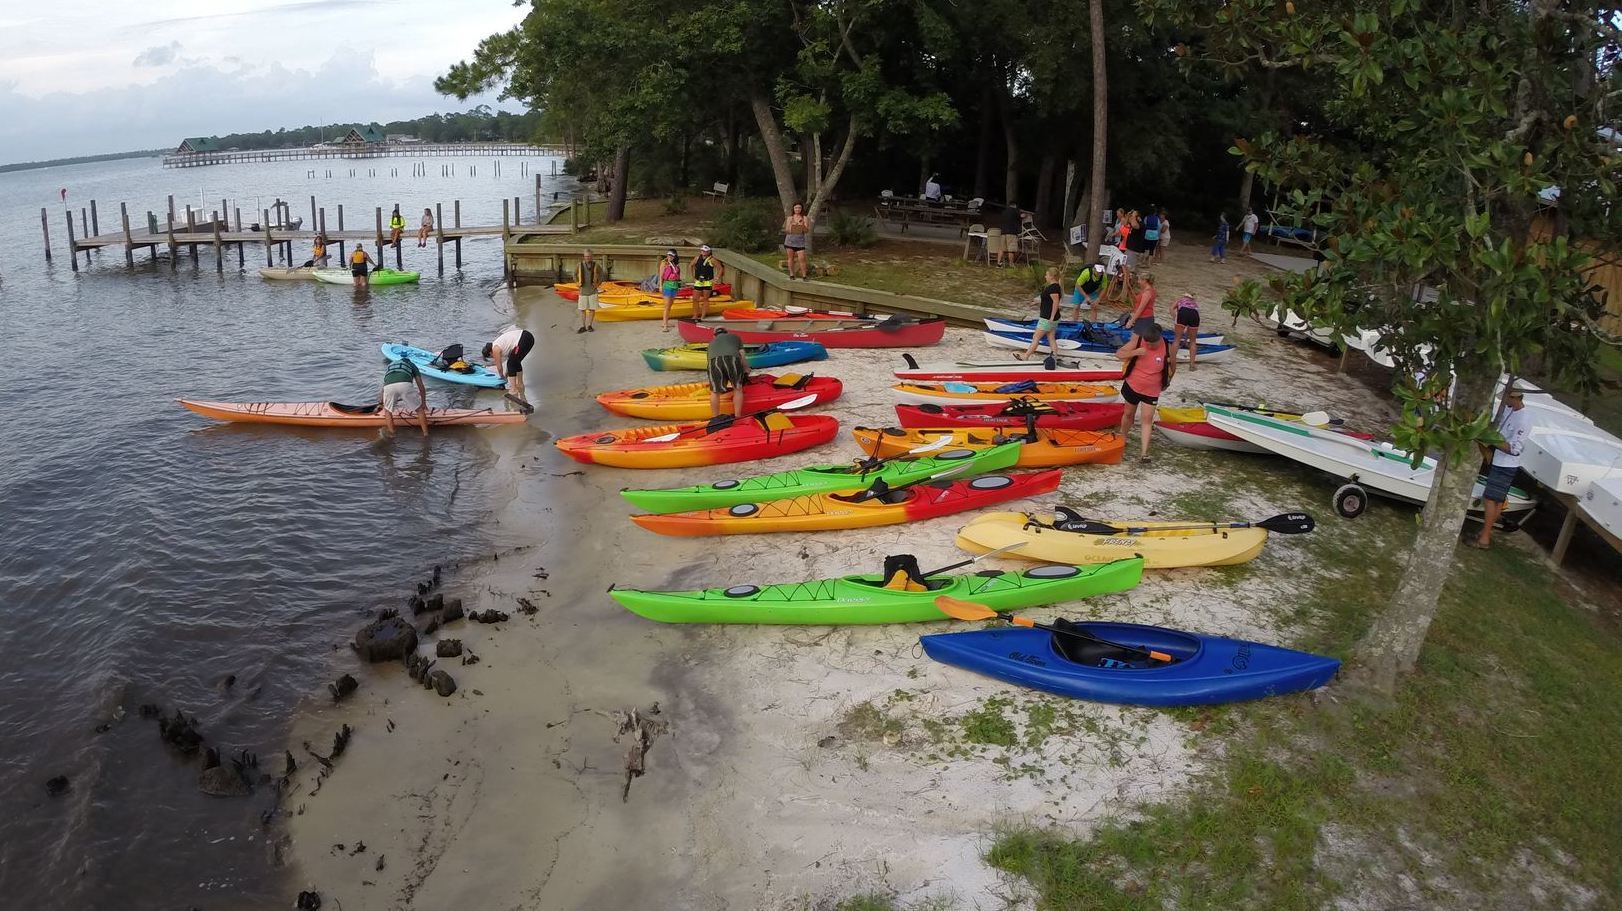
point(1350, 501)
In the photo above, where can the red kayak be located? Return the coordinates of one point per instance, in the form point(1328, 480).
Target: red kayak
point(1056, 415)
point(760, 313)
point(711, 443)
point(1004, 373)
point(891, 332)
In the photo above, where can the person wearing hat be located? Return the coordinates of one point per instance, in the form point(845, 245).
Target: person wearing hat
point(728, 370)
point(706, 271)
point(589, 275)
point(1514, 426)
point(1089, 290)
point(669, 284)
point(1148, 370)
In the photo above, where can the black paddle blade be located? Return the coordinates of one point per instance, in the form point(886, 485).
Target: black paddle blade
point(911, 364)
point(1291, 523)
point(719, 422)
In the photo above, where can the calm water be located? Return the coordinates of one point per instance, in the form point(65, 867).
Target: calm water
point(148, 553)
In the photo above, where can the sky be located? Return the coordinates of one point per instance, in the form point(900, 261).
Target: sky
point(85, 77)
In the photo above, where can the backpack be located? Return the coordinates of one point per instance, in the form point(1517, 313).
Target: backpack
point(446, 357)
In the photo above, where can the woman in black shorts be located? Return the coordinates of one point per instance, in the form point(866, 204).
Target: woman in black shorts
point(1188, 327)
point(508, 352)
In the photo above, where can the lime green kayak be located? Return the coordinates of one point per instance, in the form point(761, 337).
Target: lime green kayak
point(816, 479)
point(864, 599)
point(378, 277)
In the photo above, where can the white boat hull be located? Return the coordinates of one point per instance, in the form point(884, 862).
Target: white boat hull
point(1568, 462)
point(1603, 504)
point(1197, 441)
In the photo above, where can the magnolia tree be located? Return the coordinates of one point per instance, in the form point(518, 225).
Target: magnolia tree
point(1469, 162)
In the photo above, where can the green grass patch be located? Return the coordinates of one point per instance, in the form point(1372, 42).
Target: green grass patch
point(989, 725)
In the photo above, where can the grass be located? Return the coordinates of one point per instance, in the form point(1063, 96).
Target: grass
point(926, 270)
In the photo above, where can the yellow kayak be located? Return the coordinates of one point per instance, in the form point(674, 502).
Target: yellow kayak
point(647, 306)
point(1162, 545)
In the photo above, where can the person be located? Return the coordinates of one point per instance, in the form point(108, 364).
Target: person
point(706, 270)
point(1012, 224)
point(1247, 230)
point(589, 275)
point(728, 370)
point(1165, 237)
point(1148, 366)
point(507, 351)
point(1137, 240)
point(1514, 425)
point(1219, 241)
point(1143, 307)
point(64, 194)
point(399, 378)
point(1090, 286)
point(396, 227)
point(932, 188)
point(1047, 315)
point(1114, 263)
point(426, 228)
point(796, 231)
point(669, 284)
point(1151, 234)
point(358, 263)
point(318, 251)
point(1186, 326)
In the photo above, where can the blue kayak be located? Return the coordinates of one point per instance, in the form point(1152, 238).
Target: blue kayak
point(481, 376)
point(1087, 331)
point(1206, 670)
point(771, 354)
point(1071, 347)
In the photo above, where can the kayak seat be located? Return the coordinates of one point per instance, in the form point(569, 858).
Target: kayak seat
point(1088, 653)
point(792, 381)
point(355, 409)
point(887, 497)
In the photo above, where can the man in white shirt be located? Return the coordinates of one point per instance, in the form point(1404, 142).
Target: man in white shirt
point(1515, 426)
point(932, 188)
point(1247, 230)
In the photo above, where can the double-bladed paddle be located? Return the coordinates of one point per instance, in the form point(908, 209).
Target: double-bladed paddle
point(1290, 523)
point(879, 487)
point(714, 425)
point(959, 609)
point(872, 462)
point(972, 560)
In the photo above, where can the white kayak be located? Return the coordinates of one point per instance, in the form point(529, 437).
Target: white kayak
point(293, 274)
point(1070, 328)
point(378, 277)
point(1070, 348)
point(1010, 372)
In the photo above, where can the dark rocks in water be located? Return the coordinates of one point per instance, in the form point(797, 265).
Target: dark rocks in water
point(470, 658)
point(308, 901)
point(380, 861)
point(432, 626)
point(180, 732)
point(340, 741)
point(104, 727)
point(417, 667)
point(448, 648)
point(386, 639)
point(436, 575)
point(217, 780)
point(291, 767)
point(148, 710)
point(453, 610)
point(489, 615)
point(427, 679)
point(386, 613)
point(443, 683)
point(229, 681)
point(57, 786)
point(423, 588)
point(436, 602)
point(342, 687)
point(418, 605)
point(527, 607)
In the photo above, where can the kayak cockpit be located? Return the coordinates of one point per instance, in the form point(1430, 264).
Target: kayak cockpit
point(1122, 645)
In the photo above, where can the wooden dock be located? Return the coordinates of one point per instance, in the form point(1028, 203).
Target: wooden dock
point(359, 151)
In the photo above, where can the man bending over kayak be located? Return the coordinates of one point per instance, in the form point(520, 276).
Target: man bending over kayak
point(728, 371)
point(398, 380)
point(508, 351)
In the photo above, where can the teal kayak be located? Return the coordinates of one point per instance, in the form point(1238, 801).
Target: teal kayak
point(478, 376)
point(817, 479)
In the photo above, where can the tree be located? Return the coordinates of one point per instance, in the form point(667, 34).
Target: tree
point(1450, 127)
point(1095, 202)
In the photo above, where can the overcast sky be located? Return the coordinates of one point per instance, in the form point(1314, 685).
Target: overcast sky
point(82, 77)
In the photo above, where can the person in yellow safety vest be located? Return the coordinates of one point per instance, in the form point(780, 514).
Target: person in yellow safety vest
point(358, 261)
point(396, 227)
point(318, 256)
point(706, 271)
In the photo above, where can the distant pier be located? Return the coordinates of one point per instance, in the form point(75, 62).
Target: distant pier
point(355, 151)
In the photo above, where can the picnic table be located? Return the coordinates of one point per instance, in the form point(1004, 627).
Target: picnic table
point(906, 211)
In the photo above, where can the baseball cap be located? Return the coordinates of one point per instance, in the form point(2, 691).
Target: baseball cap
point(704, 249)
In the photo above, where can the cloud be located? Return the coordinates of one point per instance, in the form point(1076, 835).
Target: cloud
point(159, 55)
point(280, 9)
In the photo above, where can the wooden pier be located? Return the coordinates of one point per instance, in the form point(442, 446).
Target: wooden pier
point(358, 151)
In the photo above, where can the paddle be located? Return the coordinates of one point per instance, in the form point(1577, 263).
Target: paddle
point(873, 461)
point(1290, 523)
point(967, 610)
point(879, 488)
point(972, 560)
point(790, 405)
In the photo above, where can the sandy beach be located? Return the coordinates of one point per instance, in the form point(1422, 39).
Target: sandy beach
point(801, 764)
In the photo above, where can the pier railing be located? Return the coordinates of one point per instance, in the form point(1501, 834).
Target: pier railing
point(359, 151)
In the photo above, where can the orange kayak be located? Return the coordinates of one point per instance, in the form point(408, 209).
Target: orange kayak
point(570, 291)
point(691, 401)
point(645, 306)
point(1050, 449)
point(335, 414)
point(736, 441)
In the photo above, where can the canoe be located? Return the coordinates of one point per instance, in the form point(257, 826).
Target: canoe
point(816, 479)
point(1017, 413)
point(335, 414)
point(1005, 372)
point(293, 274)
point(1377, 467)
point(1206, 670)
point(971, 393)
point(1187, 427)
point(858, 509)
point(691, 401)
point(760, 313)
point(379, 277)
point(1021, 339)
point(695, 356)
point(1162, 545)
point(734, 441)
point(570, 291)
point(645, 307)
point(1050, 449)
point(1107, 334)
point(890, 333)
point(864, 599)
point(482, 377)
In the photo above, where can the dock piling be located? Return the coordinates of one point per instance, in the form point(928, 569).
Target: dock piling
point(174, 248)
point(95, 225)
point(439, 234)
point(343, 258)
point(456, 213)
point(219, 250)
point(191, 229)
point(45, 227)
point(73, 247)
point(380, 235)
point(269, 247)
point(129, 245)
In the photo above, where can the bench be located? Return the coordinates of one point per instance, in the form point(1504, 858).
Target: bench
point(719, 191)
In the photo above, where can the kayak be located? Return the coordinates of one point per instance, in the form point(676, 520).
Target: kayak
point(335, 414)
point(1007, 372)
point(893, 332)
point(1021, 339)
point(482, 377)
point(1187, 427)
point(1050, 449)
point(1016, 413)
point(731, 441)
point(816, 479)
point(760, 313)
point(378, 277)
point(1205, 670)
point(691, 401)
point(1111, 334)
point(865, 599)
point(695, 356)
point(295, 274)
point(570, 291)
point(878, 505)
point(1162, 545)
point(644, 307)
point(969, 393)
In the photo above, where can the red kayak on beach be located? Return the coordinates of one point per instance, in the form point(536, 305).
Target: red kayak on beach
point(891, 332)
point(1055, 415)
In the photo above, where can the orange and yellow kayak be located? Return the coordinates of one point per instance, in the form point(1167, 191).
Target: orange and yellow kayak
point(570, 291)
point(1050, 449)
point(980, 393)
point(698, 444)
point(647, 306)
point(335, 414)
point(691, 401)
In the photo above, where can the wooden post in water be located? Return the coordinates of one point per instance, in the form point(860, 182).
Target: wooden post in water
point(174, 248)
point(191, 229)
point(45, 228)
point(439, 234)
point(343, 258)
point(456, 213)
point(240, 254)
point(380, 235)
point(313, 220)
point(537, 198)
point(95, 225)
point(129, 243)
point(73, 248)
point(269, 245)
point(506, 234)
point(84, 227)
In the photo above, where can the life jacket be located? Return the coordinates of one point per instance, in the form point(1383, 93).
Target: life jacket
point(358, 257)
point(397, 220)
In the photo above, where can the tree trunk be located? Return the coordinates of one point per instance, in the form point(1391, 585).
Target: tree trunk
point(982, 159)
point(1010, 138)
point(776, 152)
point(923, 172)
point(1074, 187)
point(830, 180)
point(616, 196)
point(734, 150)
point(1043, 211)
point(1245, 185)
point(1095, 204)
point(686, 149)
point(1392, 644)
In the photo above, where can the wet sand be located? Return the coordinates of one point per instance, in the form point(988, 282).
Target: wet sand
point(801, 762)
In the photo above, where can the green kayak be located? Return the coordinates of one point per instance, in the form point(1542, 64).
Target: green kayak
point(378, 277)
point(864, 599)
point(821, 479)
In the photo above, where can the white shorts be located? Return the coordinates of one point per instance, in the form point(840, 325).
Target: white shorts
point(588, 302)
point(398, 397)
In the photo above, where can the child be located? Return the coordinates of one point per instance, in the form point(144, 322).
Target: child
point(1219, 249)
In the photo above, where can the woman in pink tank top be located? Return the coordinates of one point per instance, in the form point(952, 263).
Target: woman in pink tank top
point(1149, 367)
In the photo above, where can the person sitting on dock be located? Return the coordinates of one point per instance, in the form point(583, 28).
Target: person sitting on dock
point(396, 227)
point(1514, 425)
point(705, 273)
point(426, 228)
point(398, 380)
point(358, 263)
point(728, 370)
point(508, 351)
